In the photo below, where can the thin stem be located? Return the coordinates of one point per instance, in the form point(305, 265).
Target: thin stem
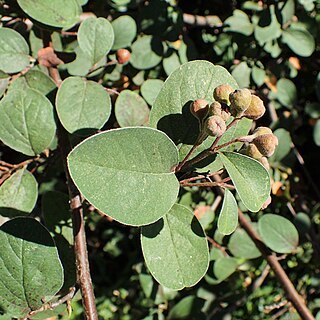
point(52, 305)
point(292, 294)
point(80, 245)
point(110, 63)
point(201, 176)
point(218, 246)
point(208, 184)
point(210, 151)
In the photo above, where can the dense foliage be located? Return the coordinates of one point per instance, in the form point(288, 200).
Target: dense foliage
point(118, 78)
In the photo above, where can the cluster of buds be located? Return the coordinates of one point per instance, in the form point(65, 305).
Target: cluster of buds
point(228, 102)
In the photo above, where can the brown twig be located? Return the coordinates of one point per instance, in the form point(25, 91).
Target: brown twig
point(296, 300)
point(52, 305)
point(218, 246)
point(292, 294)
point(80, 245)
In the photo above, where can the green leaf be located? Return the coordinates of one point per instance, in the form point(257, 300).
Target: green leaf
point(130, 176)
point(258, 75)
point(228, 217)
point(278, 233)
point(150, 89)
point(316, 133)
point(268, 27)
point(95, 37)
point(18, 194)
point(300, 41)
point(286, 92)
point(82, 105)
point(29, 126)
point(30, 269)
point(146, 53)
point(82, 64)
point(287, 11)
point(187, 308)
point(34, 79)
point(55, 13)
point(125, 30)
point(239, 22)
point(250, 178)
point(14, 51)
point(224, 267)
point(56, 213)
point(171, 63)
point(175, 249)
point(131, 110)
point(241, 73)
point(241, 245)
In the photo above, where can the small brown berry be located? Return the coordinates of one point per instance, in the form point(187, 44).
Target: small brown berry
point(199, 108)
point(256, 108)
point(266, 144)
point(215, 126)
point(123, 56)
point(222, 92)
point(239, 102)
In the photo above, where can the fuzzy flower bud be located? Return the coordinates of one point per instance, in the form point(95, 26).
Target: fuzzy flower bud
point(215, 126)
point(261, 130)
point(253, 152)
point(266, 144)
point(199, 108)
point(256, 108)
point(239, 102)
point(222, 92)
point(218, 109)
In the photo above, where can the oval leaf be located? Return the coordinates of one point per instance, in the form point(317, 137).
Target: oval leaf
point(224, 267)
point(278, 233)
point(14, 51)
point(125, 30)
point(131, 110)
point(82, 105)
point(130, 175)
point(286, 92)
point(300, 41)
point(55, 13)
point(150, 89)
point(95, 37)
point(146, 52)
point(28, 123)
point(249, 177)
point(34, 79)
point(26, 277)
point(170, 111)
point(18, 194)
point(241, 245)
point(175, 249)
point(228, 217)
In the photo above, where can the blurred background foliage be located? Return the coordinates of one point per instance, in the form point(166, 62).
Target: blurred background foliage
point(269, 46)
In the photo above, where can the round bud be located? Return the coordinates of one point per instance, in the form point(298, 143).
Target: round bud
point(256, 108)
point(253, 152)
point(199, 108)
point(215, 126)
point(266, 144)
point(218, 109)
point(221, 93)
point(261, 130)
point(123, 56)
point(239, 102)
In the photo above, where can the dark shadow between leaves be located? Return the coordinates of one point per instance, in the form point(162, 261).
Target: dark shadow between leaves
point(152, 230)
point(12, 213)
point(180, 127)
point(27, 229)
point(196, 228)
